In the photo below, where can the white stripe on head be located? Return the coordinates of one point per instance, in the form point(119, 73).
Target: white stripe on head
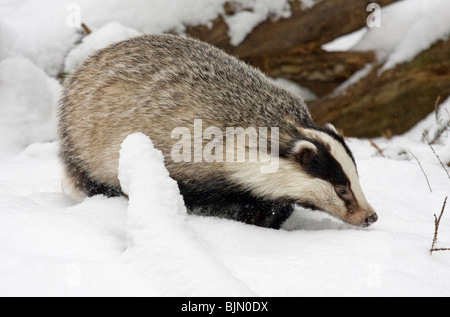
point(293, 184)
point(341, 155)
point(289, 183)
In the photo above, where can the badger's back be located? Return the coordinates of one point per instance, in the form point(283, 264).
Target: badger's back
point(153, 84)
point(156, 83)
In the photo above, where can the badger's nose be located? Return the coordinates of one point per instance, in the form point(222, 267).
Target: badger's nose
point(371, 219)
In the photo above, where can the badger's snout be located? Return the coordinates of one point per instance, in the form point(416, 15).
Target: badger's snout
point(370, 220)
point(360, 218)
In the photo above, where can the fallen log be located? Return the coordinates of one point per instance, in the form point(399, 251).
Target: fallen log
point(391, 102)
point(305, 31)
point(320, 72)
point(291, 48)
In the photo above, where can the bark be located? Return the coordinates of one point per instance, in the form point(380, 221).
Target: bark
point(304, 32)
point(291, 48)
point(391, 102)
point(320, 72)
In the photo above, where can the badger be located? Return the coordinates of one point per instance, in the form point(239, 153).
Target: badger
point(154, 84)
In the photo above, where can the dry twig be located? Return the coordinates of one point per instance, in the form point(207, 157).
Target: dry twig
point(437, 221)
point(420, 165)
point(379, 150)
point(86, 28)
point(439, 159)
point(436, 104)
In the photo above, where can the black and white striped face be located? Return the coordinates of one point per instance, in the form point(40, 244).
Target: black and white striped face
point(324, 156)
point(317, 171)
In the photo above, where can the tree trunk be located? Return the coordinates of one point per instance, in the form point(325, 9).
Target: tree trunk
point(320, 72)
point(304, 32)
point(393, 101)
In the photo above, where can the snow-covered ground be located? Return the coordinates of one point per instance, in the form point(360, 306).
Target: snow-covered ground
point(50, 245)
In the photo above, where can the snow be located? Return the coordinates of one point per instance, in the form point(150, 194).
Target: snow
point(157, 223)
point(45, 31)
point(36, 30)
point(407, 28)
point(108, 34)
point(28, 98)
point(357, 76)
point(345, 42)
point(148, 245)
point(242, 23)
point(303, 92)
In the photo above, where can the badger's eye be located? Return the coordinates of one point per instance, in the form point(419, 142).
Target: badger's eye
point(341, 190)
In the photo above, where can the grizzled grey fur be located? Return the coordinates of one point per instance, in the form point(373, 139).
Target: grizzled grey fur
point(155, 83)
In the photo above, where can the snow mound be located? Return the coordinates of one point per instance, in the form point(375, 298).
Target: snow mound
point(407, 28)
point(110, 33)
point(161, 244)
point(38, 31)
point(28, 105)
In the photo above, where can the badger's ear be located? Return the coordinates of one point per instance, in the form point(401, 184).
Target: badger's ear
point(304, 152)
point(331, 127)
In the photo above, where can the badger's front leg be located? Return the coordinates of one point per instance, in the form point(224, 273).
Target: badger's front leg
point(244, 208)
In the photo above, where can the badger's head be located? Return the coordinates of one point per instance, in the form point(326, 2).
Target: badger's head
point(316, 170)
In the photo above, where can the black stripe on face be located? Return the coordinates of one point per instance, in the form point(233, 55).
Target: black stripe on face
point(323, 165)
point(335, 136)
